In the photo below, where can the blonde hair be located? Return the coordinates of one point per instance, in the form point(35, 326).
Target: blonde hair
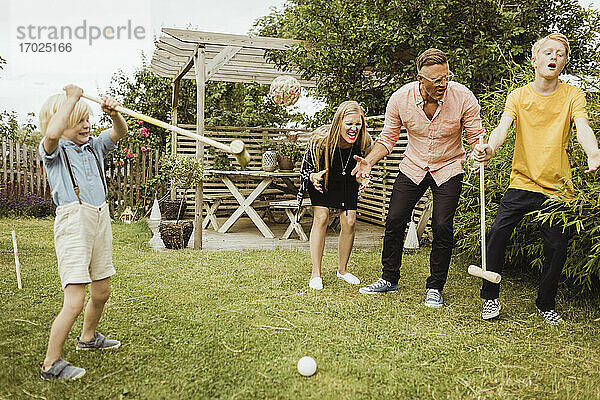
point(559, 37)
point(81, 111)
point(325, 138)
point(431, 57)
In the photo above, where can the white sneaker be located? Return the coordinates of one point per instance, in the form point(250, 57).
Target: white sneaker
point(348, 277)
point(315, 283)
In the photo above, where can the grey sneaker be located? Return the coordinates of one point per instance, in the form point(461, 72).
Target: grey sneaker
point(379, 286)
point(551, 317)
point(491, 309)
point(434, 298)
point(98, 342)
point(62, 370)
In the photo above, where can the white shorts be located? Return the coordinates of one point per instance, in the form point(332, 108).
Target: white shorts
point(83, 242)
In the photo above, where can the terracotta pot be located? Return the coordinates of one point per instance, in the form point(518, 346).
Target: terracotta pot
point(285, 163)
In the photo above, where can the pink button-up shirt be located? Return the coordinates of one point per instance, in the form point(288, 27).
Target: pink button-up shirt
point(434, 145)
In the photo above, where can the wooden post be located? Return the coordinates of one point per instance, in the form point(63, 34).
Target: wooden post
point(200, 68)
point(138, 154)
point(38, 172)
point(126, 186)
point(119, 172)
point(174, 102)
point(18, 165)
point(145, 177)
point(156, 161)
point(30, 163)
point(4, 162)
point(11, 167)
point(17, 264)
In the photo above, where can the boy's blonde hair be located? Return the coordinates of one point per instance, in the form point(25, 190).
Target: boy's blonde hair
point(81, 111)
point(326, 137)
point(559, 37)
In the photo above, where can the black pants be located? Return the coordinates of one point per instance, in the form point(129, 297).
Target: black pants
point(513, 207)
point(405, 196)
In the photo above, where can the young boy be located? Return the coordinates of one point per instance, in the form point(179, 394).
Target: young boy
point(74, 164)
point(544, 110)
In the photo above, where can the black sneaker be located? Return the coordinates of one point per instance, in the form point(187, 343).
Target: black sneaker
point(551, 317)
point(379, 286)
point(491, 309)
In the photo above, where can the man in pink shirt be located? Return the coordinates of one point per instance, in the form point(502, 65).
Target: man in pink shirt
point(435, 111)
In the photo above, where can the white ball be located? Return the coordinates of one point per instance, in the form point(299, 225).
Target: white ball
point(307, 366)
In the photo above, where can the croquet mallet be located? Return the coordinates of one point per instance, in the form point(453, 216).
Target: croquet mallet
point(237, 147)
point(474, 270)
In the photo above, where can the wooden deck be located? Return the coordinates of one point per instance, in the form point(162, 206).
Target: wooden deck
point(244, 235)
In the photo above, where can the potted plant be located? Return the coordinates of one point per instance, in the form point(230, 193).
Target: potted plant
point(269, 155)
point(288, 153)
point(184, 172)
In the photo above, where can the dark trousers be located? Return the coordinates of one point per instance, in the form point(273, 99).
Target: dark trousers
point(513, 207)
point(405, 196)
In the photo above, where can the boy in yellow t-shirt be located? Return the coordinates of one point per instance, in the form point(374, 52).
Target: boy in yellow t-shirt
point(544, 110)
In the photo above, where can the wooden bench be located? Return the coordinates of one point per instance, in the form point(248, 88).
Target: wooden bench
point(211, 203)
point(290, 207)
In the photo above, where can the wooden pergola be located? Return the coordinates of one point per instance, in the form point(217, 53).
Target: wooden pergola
point(217, 57)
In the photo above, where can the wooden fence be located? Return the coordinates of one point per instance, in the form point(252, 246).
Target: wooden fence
point(22, 168)
point(129, 184)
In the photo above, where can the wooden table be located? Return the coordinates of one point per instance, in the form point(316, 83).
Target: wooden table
point(264, 180)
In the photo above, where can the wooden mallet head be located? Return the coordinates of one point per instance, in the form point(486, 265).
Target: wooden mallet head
point(238, 149)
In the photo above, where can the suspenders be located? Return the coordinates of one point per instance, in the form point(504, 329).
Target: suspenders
point(70, 169)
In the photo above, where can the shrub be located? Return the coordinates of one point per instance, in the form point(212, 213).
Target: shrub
point(16, 203)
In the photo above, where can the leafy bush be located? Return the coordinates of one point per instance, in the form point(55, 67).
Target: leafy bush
point(525, 247)
point(15, 203)
point(183, 172)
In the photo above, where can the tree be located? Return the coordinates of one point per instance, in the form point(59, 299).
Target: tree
point(366, 49)
point(24, 133)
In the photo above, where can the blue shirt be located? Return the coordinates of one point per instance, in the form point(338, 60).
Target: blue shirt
point(85, 170)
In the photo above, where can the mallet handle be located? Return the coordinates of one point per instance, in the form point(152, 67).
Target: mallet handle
point(162, 124)
point(17, 264)
point(482, 204)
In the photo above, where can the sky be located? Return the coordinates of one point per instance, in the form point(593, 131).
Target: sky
point(106, 36)
point(30, 77)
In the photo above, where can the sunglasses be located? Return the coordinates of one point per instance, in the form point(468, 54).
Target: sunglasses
point(440, 80)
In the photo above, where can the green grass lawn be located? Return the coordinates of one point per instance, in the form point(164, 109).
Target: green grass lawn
point(197, 324)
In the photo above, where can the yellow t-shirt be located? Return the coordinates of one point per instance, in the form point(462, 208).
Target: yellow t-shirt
point(540, 162)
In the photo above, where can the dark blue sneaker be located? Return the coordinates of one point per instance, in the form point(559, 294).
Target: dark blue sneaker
point(379, 286)
point(434, 298)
